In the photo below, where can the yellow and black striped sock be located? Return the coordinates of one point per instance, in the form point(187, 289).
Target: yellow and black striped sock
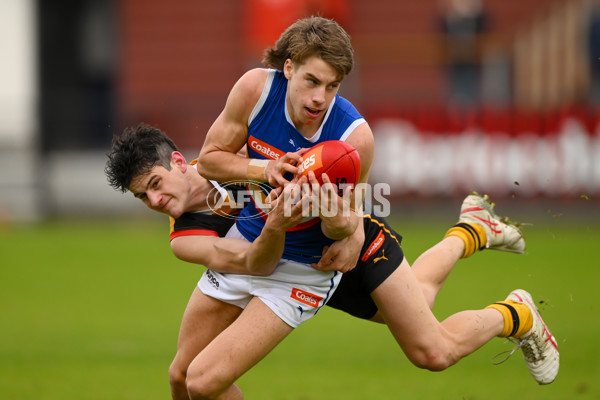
point(517, 317)
point(473, 235)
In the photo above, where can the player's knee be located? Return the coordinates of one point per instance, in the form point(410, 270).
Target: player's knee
point(431, 359)
point(201, 386)
point(199, 389)
point(177, 375)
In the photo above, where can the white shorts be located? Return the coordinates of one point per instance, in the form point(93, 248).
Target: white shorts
point(294, 292)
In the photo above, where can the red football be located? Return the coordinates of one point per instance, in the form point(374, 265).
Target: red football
point(339, 160)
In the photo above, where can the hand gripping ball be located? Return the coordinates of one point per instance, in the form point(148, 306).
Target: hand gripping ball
point(339, 160)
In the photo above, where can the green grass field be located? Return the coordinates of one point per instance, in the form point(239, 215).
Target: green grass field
point(91, 310)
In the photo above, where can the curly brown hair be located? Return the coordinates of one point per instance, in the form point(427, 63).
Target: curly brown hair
point(135, 152)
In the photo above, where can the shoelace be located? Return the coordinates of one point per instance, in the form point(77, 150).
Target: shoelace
point(530, 348)
point(510, 352)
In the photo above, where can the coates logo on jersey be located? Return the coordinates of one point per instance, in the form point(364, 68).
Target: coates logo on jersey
point(229, 198)
point(264, 148)
point(305, 297)
point(373, 247)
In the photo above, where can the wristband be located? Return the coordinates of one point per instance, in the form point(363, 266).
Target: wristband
point(257, 170)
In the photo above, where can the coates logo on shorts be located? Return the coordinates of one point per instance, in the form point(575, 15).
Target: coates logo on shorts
point(305, 297)
point(229, 198)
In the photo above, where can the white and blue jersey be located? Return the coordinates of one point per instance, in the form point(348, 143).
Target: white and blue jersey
point(271, 134)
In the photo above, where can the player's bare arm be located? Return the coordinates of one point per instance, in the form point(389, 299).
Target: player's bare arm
point(225, 255)
point(362, 140)
point(338, 220)
point(236, 256)
point(229, 133)
point(229, 255)
point(343, 254)
point(266, 250)
point(218, 159)
point(343, 224)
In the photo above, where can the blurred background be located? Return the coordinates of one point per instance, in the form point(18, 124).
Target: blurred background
point(500, 96)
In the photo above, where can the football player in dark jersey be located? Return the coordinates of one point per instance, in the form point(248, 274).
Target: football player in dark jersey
point(374, 290)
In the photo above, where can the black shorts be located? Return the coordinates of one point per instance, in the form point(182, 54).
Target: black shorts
point(380, 255)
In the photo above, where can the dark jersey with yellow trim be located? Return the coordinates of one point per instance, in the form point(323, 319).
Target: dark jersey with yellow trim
point(380, 255)
point(201, 223)
point(211, 222)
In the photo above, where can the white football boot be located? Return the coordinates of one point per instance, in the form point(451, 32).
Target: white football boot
point(538, 345)
point(502, 234)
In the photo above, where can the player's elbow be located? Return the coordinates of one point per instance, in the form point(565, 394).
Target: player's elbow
point(203, 165)
point(208, 161)
point(181, 254)
point(336, 233)
point(259, 269)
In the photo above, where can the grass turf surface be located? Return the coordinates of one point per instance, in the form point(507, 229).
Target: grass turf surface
point(91, 310)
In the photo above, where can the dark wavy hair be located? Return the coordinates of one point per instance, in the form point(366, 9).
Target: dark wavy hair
point(135, 152)
point(312, 36)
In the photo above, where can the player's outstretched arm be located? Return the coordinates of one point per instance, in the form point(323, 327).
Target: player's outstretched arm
point(236, 256)
point(266, 250)
point(225, 255)
point(344, 223)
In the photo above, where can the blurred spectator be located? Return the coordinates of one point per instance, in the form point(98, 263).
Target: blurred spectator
point(463, 23)
point(263, 21)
